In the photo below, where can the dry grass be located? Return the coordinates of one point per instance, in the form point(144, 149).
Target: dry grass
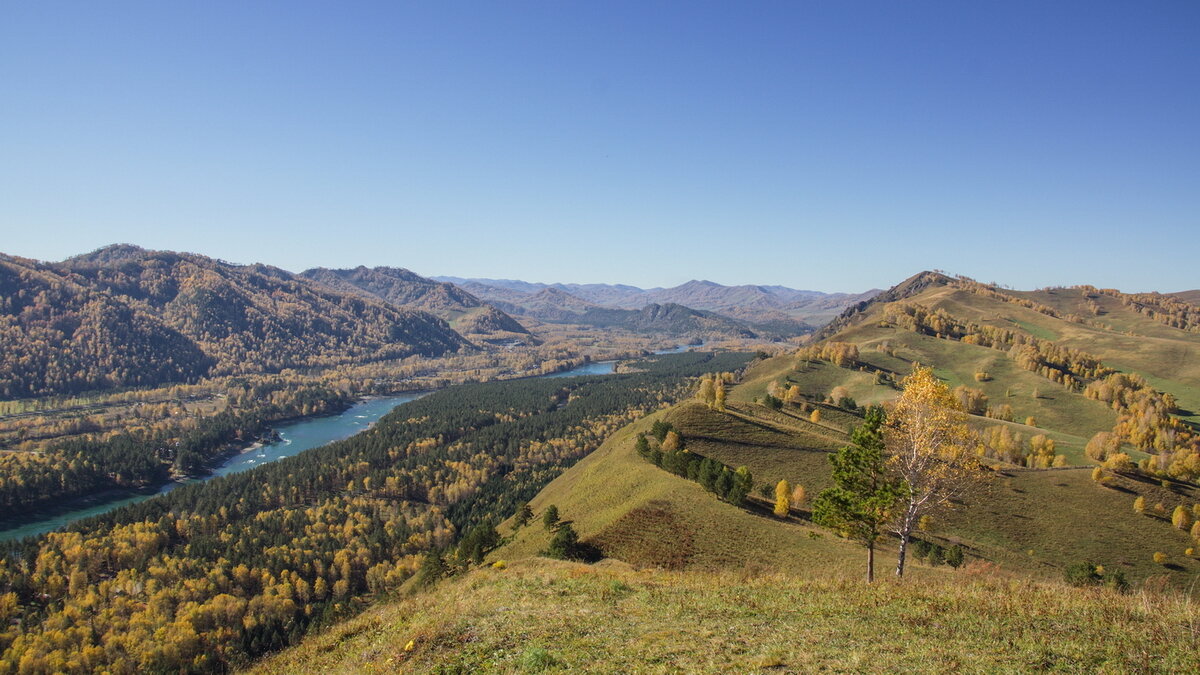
point(547, 616)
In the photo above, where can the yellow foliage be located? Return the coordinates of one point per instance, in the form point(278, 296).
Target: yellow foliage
point(783, 498)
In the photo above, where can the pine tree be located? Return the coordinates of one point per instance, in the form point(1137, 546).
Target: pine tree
point(433, 567)
point(861, 500)
point(565, 543)
point(525, 514)
point(955, 557)
point(550, 517)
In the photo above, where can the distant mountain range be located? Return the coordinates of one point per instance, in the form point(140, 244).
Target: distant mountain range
point(466, 313)
point(771, 306)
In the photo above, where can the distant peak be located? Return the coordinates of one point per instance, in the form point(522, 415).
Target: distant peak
point(110, 253)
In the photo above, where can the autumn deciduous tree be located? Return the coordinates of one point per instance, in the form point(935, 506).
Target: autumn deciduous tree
point(1181, 518)
point(671, 442)
point(929, 441)
point(860, 503)
point(783, 498)
point(799, 495)
point(719, 395)
point(815, 416)
point(1102, 445)
point(1139, 505)
point(707, 392)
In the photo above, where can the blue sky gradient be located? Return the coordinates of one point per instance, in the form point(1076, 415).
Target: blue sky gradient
point(833, 146)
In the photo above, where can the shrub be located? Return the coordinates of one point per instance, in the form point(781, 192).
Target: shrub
point(1160, 557)
point(1139, 505)
point(1082, 573)
point(1116, 580)
point(537, 659)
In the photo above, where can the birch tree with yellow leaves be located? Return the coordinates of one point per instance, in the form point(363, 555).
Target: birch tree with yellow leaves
point(930, 447)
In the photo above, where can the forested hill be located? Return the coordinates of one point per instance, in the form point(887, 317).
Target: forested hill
point(465, 312)
point(123, 316)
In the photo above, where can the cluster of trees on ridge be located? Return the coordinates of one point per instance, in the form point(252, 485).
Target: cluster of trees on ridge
point(213, 574)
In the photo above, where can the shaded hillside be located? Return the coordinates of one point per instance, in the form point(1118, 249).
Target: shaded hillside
point(466, 313)
point(122, 316)
point(60, 336)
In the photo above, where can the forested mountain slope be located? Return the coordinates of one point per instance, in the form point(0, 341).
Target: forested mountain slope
point(123, 316)
point(465, 312)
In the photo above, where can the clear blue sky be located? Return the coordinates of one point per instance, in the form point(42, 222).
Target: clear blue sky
point(831, 145)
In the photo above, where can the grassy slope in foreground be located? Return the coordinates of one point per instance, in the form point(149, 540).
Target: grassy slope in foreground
point(548, 616)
